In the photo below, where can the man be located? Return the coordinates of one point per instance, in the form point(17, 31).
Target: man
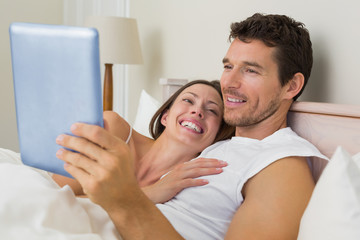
point(264, 191)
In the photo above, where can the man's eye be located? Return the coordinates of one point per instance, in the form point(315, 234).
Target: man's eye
point(227, 66)
point(250, 70)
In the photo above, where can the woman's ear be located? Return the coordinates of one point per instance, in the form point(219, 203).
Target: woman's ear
point(164, 117)
point(295, 85)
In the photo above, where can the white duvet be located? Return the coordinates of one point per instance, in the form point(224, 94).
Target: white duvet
point(32, 206)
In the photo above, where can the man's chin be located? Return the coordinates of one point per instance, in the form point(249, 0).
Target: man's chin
point(233, 121)
point(237, 120)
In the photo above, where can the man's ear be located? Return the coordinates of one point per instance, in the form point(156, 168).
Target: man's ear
point(295, 85)
point(164, 116)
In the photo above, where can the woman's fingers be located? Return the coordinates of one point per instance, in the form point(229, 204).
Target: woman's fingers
point(204, 163)
point(183, 176)
point(190, 182)
point(200, 172)
point(200, 167)
point(187, 174)
point(207, 162)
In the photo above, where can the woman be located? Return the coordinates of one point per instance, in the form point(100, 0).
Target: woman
point(188, 122)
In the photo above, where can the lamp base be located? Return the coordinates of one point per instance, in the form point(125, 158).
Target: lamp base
point(108, 88)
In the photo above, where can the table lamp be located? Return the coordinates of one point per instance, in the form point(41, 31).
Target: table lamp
point(119, 44)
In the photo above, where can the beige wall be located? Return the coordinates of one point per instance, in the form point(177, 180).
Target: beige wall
point(188, 39)
point(42, 11)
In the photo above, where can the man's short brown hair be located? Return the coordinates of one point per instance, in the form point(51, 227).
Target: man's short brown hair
point(291, 39)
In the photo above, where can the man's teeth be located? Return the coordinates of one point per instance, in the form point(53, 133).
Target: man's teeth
point(235, 100)
point(191, 125)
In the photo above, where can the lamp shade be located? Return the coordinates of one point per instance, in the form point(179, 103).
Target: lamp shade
point(119, 39)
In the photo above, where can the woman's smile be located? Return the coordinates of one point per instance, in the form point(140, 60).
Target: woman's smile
point(192, 125)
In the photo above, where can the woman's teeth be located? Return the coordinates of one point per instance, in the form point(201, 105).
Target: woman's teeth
point(192, 126)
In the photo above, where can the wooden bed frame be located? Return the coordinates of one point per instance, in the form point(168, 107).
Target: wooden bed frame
point(325, 125)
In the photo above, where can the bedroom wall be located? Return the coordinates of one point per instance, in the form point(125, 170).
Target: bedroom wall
point(43, 11)
point(188, 39)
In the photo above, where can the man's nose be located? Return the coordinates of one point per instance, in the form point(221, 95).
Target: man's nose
point(231, 80)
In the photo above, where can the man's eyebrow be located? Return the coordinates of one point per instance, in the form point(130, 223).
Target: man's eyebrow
point(248, 63)
point(253, 64)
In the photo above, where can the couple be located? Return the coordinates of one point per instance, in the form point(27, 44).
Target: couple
point(265, 182)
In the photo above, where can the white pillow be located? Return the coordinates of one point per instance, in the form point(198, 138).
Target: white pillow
point(334, 208)
point(146, 109)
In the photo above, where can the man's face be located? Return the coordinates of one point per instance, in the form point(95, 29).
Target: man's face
point(250, 83)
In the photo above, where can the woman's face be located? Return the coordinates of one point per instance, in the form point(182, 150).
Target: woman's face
point(195, 116)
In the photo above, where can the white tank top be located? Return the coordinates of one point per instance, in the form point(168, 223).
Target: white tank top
point(130, 133)
point(205, 212)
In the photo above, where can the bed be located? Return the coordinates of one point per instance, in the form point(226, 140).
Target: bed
point(333, 211)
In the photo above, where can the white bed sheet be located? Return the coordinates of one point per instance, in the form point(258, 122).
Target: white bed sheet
point(32, 206)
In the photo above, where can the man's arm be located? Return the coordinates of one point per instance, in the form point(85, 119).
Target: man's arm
point(142, 220)
point(104, 167)
point(274, 202)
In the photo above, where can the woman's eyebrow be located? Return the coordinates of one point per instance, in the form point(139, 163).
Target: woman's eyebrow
point(197, 96)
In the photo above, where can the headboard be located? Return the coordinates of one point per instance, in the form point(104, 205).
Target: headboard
point(326, 125)
point(170, 86)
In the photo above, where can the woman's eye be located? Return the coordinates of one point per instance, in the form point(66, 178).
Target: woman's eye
point(213, 112)
point(187, 100)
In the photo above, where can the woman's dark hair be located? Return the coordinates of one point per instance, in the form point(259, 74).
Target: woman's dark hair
point(290, 38)
point(156, 128)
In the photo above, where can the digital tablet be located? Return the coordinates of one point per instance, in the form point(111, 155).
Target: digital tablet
point(56, 75)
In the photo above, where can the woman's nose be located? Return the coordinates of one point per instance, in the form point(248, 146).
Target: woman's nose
point(197, 111)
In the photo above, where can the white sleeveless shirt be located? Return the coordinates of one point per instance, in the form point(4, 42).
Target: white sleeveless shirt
point(205, 212)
